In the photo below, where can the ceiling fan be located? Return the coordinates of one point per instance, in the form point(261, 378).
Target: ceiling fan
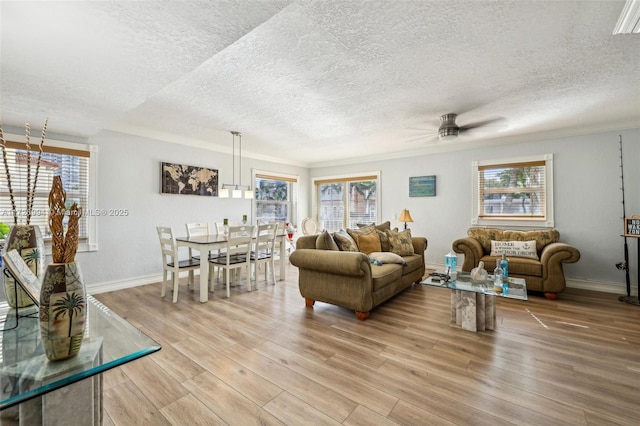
point(449, 130)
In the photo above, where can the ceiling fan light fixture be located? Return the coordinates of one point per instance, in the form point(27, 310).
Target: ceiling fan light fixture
point(448, 130)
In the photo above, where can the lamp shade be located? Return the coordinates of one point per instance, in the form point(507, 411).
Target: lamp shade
point(236, 193)
point(405, 216)
point(224, 193)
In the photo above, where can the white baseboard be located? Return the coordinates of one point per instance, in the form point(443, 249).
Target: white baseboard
point(128, 283)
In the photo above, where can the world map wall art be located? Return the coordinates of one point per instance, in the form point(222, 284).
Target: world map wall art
point(190, 180)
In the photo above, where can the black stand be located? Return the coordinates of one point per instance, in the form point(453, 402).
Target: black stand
point(8, 274)
point(634, 300)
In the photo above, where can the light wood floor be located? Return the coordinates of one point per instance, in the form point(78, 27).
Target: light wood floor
point(263, 358)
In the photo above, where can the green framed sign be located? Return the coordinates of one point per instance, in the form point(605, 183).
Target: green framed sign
point(422, 186)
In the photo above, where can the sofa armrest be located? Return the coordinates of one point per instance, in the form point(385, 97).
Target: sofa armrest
point(472, 250)
point(419, 245)
point(353, 264)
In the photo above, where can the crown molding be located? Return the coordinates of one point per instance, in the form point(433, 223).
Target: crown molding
point(629, 21)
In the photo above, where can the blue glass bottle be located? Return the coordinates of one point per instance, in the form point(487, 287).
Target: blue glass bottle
point(504, 265)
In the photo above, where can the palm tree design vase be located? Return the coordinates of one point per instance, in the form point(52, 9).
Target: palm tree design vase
point(63, 301)
point(63, 310)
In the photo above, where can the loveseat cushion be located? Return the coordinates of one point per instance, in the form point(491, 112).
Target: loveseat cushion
point(517, 265)
point(542, 237)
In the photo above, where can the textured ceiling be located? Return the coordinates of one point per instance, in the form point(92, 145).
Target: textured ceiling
point(313, 82)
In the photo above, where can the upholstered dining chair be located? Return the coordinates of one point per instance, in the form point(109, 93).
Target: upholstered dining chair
point(171, 264)
point(237, 254)
point(264, 250)
point(309, 226)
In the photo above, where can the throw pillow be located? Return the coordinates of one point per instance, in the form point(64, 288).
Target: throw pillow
point(361, 231)
point(325, 241)
point(384, 241)
point(400, 242)
point(368, 243)
point(514, 249)
point(387, 257)
point(344, 241)
point(383, 226)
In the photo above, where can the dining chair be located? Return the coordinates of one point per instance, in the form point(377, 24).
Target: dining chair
point(264, 250)
point(171, 262)
point(237, 254)
point(220, 227)
point(194, 230)
point(309, 226)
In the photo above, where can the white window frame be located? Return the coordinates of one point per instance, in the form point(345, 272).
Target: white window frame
point(294, 179)
point(528, 222)
point(350, 176)
point(90, 211)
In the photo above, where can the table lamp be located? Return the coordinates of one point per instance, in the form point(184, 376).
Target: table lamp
point(405, 217)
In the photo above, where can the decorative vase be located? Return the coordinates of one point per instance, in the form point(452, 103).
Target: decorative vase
point(63, 310)
point(27, 240)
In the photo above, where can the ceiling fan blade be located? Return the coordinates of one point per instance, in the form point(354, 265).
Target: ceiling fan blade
point(425, 138)
point(497, 122)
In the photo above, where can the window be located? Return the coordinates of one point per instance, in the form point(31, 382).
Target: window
point(74, 163)
point(514, 192)
point(343, 202)
point(276, 197)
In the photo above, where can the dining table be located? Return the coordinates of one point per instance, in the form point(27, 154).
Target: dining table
point(205, 244)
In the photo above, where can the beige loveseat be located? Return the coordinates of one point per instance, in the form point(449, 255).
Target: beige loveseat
point(542, 271)
point(348, 278)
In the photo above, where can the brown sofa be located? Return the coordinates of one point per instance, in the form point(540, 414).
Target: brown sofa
point(544, 274)
point(348, 278)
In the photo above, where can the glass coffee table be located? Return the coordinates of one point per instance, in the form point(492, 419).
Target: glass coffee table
point(473, 304)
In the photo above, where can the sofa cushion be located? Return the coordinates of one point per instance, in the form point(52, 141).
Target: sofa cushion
point(386, 257)
point(413, 262)
point(385, 274)
point(400, 242)
point(368, 243)
point(361, 231)
point(344, 241)
point(380, 227)
point(384, 241)
point(515, 249)
point(325, 241)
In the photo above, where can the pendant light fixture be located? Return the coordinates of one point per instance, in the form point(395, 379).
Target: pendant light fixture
point(236, 189)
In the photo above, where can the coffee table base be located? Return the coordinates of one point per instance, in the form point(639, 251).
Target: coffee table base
point(473, 311)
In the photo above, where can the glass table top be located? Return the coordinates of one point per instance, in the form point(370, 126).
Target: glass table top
point(462, 281)
point(25, 371)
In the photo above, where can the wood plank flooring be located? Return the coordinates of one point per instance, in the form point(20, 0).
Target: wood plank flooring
point(262, 358)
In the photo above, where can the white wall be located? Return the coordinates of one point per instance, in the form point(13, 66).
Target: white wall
point(129, 178)
point(587, 198)
point(587, 194)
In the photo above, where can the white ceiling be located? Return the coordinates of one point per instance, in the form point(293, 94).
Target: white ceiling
point(315, 82)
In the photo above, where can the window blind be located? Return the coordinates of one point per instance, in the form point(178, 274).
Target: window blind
point(512, 190)
point(70, 164)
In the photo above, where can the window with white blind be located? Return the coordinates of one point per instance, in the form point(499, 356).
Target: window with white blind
point(276, 197)
point(74, 163)
point(514, 192)
point(343, 202)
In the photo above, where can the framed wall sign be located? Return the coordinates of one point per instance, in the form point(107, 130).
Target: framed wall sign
point(422, 186)
point(192, 180)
